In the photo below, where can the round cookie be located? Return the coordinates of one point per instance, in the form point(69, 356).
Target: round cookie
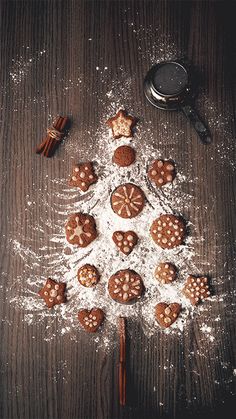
point(88, 275)
point(80, 229)
point(166, 272)
point(161, 172)
point(168, 231)
point(127, 200)
point(125, 286)
point(124, 156)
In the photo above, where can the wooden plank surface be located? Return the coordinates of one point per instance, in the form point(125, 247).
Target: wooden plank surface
point(50, 52)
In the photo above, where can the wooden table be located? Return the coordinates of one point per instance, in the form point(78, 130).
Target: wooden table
point(62, 57)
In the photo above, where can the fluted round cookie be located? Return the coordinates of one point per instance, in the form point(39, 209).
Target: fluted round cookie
point(124, 156)
point(165, 272)
point(127, 200)
point(168, 231)
point(88, 275)
point(81, 229)
point(125, 286)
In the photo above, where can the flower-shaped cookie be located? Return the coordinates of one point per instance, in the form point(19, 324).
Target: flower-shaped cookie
point(161, 172)
point(53, 293)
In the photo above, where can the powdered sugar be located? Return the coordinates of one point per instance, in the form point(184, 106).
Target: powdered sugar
point(61, 260)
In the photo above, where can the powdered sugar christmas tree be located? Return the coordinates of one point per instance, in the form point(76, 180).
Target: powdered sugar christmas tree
point(112, 212)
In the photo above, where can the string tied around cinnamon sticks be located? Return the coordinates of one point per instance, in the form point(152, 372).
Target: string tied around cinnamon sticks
point(54, 136)
point(122, 360)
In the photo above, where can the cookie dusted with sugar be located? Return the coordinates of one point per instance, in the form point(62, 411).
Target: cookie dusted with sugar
point(53, 293)
point(167, 314)
point(127, 200)
point(125, 286)
point(81, 229)
point(121, 124)
point(196, 289)
point(83, 176)
point(161, 172)
point(168, 231)
point(124, 156)
point(91, 320)
point(88, 275)
point(166, 272)
point(125, 240)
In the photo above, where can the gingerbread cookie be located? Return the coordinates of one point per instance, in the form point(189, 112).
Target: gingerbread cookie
point(196, 289)
point(166, 272)
point(88, 275)
point(121, 124)
point(83, 176)
point(161, 172)
point(53, 293)
point(124, 156)
point(167, 314)
point(168, 231)
point(125, 240)
point(81, 229)
point(91, 320)
point(125, 286)
point(127, 200)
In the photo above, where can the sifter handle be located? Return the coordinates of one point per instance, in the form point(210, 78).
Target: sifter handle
point(198, 125)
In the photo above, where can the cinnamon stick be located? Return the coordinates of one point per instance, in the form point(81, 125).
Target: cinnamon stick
point(54, 137)
point(122, 361)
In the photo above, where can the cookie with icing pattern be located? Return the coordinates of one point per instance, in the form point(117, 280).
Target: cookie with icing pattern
point(127, 200)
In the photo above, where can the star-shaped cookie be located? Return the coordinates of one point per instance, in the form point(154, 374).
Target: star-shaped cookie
point(83, 176)
point(121, 124)
point(196, 289)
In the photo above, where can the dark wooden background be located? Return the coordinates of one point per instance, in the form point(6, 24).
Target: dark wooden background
point(205, 33)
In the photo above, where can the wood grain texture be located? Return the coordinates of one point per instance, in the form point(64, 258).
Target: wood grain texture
point(32, 385)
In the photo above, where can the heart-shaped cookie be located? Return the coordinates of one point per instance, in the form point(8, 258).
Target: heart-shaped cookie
point(90, 320)
point(167, 314)
point(125, 240)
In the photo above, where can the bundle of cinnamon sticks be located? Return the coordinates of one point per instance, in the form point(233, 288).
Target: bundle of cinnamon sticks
point(54, 137)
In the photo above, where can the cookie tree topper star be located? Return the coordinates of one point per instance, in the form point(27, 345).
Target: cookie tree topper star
point(121, 124)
